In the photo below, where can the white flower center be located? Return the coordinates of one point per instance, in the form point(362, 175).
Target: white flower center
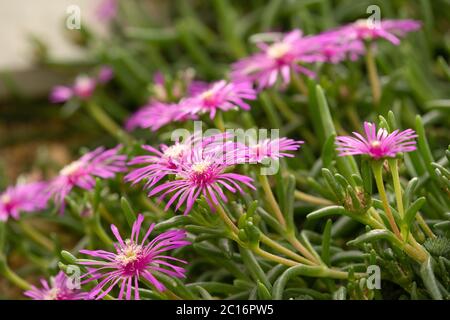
point(52, 294)
point(71, 168)
point(130, 253)
point(375, 144)
point(207, 94)
point(6, 198)
point(278, 50)
point(201, 167)
point(175, 151)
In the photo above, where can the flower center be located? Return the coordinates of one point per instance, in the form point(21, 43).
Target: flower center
point(175, 151)
point(375, 144)
point(71, 168)
point(130, 254)
point(201, 167)
point(6, 198)
point(52, 294)
point(278, 50)
point(209, 98)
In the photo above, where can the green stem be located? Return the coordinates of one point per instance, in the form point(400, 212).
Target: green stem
point(373, 75)
point(218, 121)
point(275, 245)
point(105, 121)
point(299, 83)
point(312, 199)
point(393, 164)
point(378, 174)
point(36, 236)
point(424, 226)
point(226, 219)
point(271, 200)
point(13, 277)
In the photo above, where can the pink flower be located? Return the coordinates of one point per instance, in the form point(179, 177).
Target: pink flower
point(375, 144)
point(156, 115)
point(277, 59)
point(107, 10)
point(390, 30)
point(105, 74)
point(203, 172)
point(60, 94)
point(272, 148)
point(134, 260)
point(57, 289)
point(83, 88)
point(221, 95)
point(28, 197)
point(82, 172)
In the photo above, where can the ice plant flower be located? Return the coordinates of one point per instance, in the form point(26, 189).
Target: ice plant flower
point(105, 74)
point(156, 115)
point(133, 260)
point(202, 173)
point(29, 197)
point(367, 30)
point(59, 288)
point(107, 10)
point(272, 148)
point(377, 144)
point(221, 95)
point(167, 160)
point(82, 172)
point(83, 88)
point(276, 60)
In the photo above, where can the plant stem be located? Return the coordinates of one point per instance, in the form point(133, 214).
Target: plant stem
point(275, 258)
point(36, 236)
point(275, 245)
point(272, 201)
point(226, 218)
point(424, 226)
point(218, 121)
point(312, 199)
point(393, 164)
point(301, 248)
point(373, 75)
point(299, 83)
point(14, 278)
point(105, 121)
point(377, 172)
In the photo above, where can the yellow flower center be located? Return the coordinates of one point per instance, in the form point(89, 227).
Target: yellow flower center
point(51, 294)
point(71, 168)
point(6, 198)
point(129, 254)
point(278, 50)
point(175, 151)
point(201, 167)
point(375, 144)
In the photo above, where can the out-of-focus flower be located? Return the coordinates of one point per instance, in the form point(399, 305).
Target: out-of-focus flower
point(156, 115)
point(57, 289)
point(83, 88)
point(276, 60)
point(133, 260)
point(105, 74)
point(29, 197)
point(377, 144)
point(365, 29)
point(107, 10)
point(221, 95)
point(82, 172)
point(60, 94)
point(272, 148)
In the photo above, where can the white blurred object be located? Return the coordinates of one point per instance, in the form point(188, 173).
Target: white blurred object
point(45, 19)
